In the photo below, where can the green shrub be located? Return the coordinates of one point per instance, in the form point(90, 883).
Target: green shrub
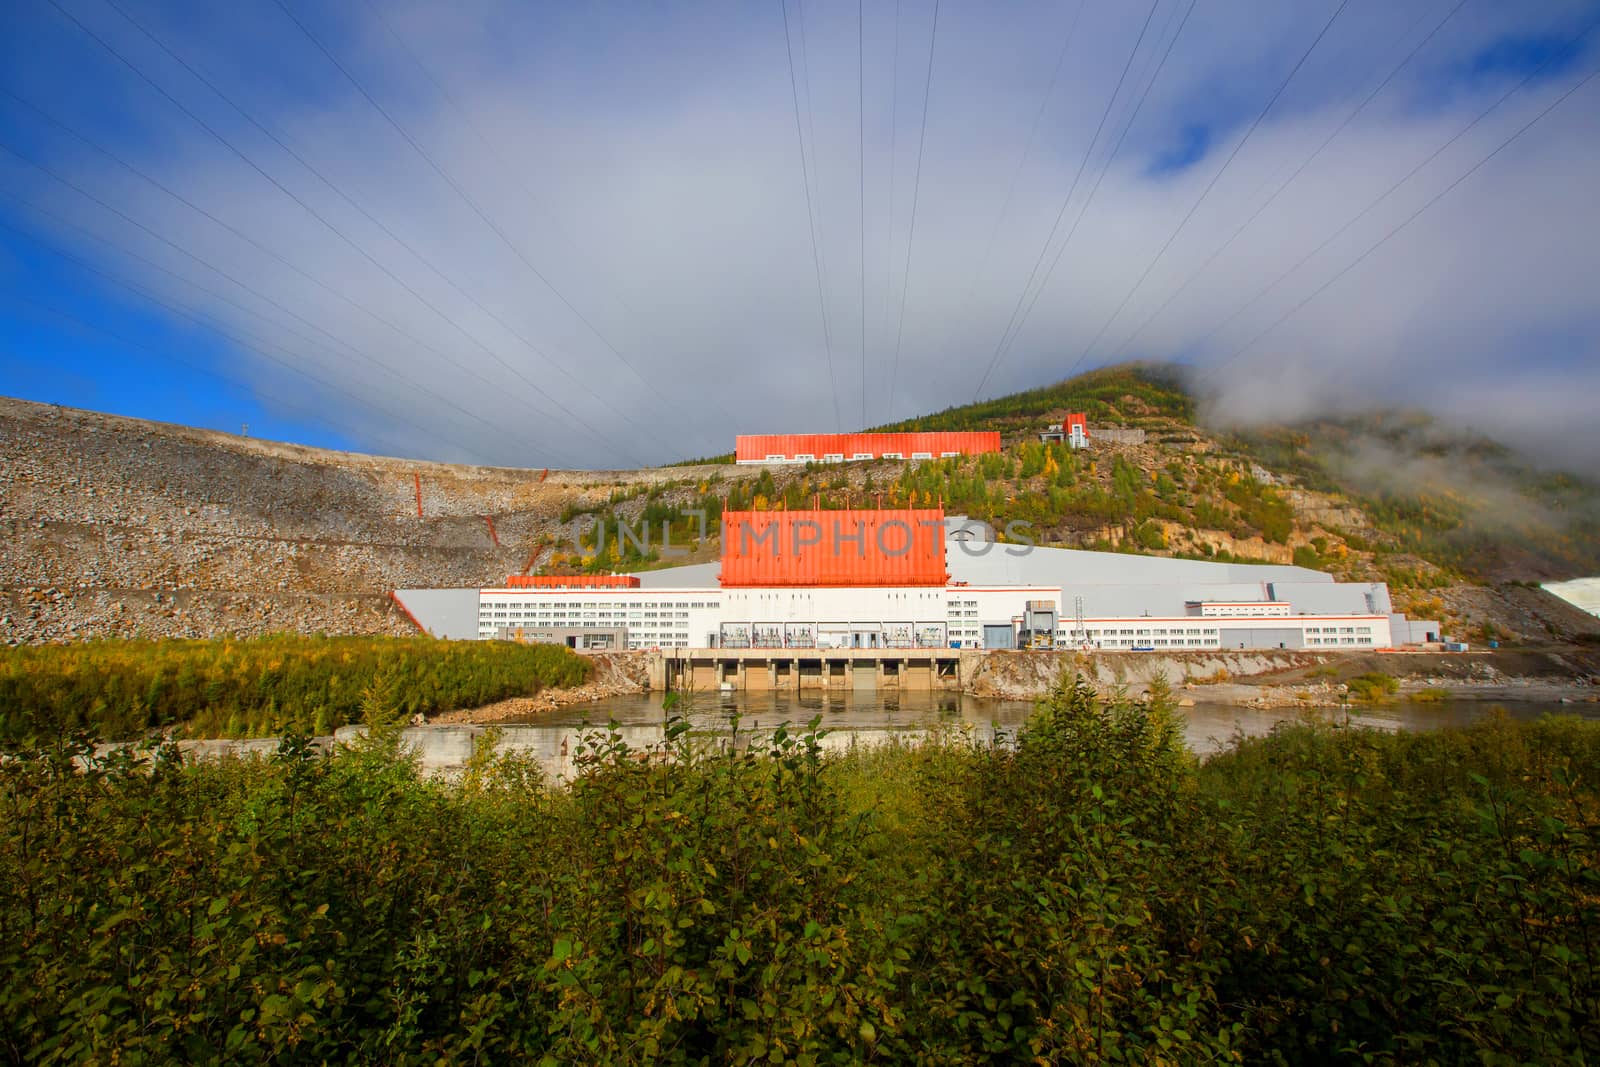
point(1084, 892)
point(1373, 686)
point(226, 687)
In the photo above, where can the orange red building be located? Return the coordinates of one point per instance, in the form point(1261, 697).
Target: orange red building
point(847, 447)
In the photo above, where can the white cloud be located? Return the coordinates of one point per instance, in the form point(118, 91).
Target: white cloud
point(646, 163)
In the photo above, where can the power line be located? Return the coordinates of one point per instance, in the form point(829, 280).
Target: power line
point(1435, 154)
point(509, 168)
point(816, 258)
point(1094, 190)
point(894, 141)
point(152, 265)
point(1027, 149)
point(1212, 184)
point(1353, 264)
point(861, 175)
point(227, 227)
point(249, 389)
point(811, 130)
point(462, 193)
point(916, 189)
point(384, 228)
point(315, 214)
point(1071, 191)
point(1289, 180)
point(199, 320)
point(111, 209)
point(57, 123)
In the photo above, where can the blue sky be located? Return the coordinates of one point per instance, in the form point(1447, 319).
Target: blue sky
point(579, 235)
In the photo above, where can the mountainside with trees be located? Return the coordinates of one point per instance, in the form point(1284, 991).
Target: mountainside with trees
point(127, 528)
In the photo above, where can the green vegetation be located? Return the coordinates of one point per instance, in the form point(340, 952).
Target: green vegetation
point(1129, 390)
point(1439, 505)
point(1087, 894)
point(1464, 504)
point(1373, 686)
point(254, 688)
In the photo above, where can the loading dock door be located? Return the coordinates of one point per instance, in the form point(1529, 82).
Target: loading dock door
point(999, 637)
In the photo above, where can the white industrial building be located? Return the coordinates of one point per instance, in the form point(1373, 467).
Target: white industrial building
point(995, 595)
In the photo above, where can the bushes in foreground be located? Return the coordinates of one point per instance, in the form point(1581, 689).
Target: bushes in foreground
point(252, 688)
point(1084, 893)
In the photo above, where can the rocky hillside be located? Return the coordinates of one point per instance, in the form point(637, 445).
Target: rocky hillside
point(117, 527)
point(120, 527)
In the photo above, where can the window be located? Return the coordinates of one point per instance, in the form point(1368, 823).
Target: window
point(862, 455)
point(893, 455)
point(833, 457)
point(922, 455)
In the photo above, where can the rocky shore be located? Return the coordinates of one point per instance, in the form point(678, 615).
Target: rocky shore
point(615, 674)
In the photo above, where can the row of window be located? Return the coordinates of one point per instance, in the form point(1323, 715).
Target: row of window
point(1164, 631)
point(587, 605)
point(530, 613)
point(838, 457)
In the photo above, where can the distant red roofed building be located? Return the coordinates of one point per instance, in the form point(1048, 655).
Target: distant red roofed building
point(1073, 429)
point(572, 581)
point(845, 447)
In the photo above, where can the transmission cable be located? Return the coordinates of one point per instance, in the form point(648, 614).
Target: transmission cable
point(466, 198)
point(1348, 119)
point(916, 189)
point(508, 168)
point(894, 143)
point(1212, 184)
point(385, 229)
point(1071, 191)
point(1027, 149)
point(112, 209)
point(1364, 212)
point(861, 181)
point(324, 221)
point(249, 389)
point(223, 297)
point(1100, 178)
point(227, 227)
point(816, 259)
point(200, 320)
point(1281, 319)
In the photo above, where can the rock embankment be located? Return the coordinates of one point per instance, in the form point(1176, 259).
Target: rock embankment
point(115, 527)
point(1279, 678)
point(615, 674)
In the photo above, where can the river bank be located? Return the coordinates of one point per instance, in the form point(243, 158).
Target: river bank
point(552, 738)
point(614, 674)
point(1274, 678)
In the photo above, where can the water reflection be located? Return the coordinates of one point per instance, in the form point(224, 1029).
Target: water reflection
point(867, 716)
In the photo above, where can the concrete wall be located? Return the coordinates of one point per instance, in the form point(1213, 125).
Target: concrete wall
point(447, 613)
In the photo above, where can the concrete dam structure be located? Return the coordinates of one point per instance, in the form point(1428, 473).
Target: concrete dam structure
point(839, 669)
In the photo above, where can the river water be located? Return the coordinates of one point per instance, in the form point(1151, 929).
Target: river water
point(867, 717)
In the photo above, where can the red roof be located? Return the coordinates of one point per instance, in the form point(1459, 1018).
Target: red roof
point(572, 581)
point(833, 548)
point(758, 447)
